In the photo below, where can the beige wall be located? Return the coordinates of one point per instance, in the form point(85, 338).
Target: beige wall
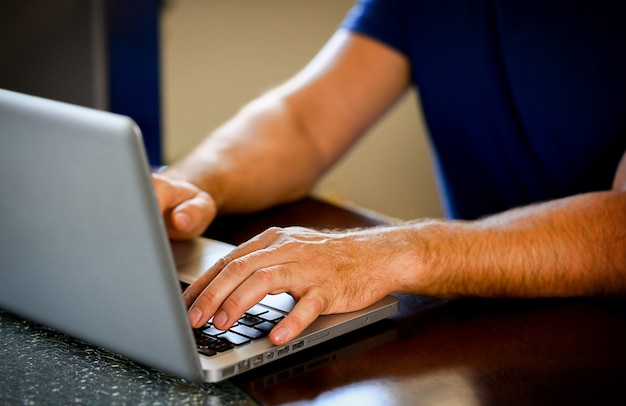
point(218, 54)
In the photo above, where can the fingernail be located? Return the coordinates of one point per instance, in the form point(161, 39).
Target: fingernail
point(182, 220)
point(220, 319)
point(279, 335)
point(194, 315)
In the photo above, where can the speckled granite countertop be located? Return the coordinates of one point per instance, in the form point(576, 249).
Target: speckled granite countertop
point(42, 366)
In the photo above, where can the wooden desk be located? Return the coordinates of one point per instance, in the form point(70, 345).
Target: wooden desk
point(469, 352)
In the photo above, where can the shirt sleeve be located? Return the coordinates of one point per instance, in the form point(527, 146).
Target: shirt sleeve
point(382, 20)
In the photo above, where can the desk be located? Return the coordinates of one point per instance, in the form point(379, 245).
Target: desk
point(468, 352)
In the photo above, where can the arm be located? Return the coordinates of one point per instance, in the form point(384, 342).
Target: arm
point(567, 247)
point(574, 246)
point(276, 147)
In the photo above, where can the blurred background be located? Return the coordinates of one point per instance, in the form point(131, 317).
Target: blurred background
point(182, 67)
point(217, 55)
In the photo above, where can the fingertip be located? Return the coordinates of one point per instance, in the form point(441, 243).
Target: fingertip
point(194, 315)
point(279, 335)
point(220, 320)
point(301, 316)
point(182, 221)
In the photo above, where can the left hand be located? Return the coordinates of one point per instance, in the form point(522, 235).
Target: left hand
point(186, 209)
point(325, 272)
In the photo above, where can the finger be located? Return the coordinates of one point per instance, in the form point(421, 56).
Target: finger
point(305, 312)
point(272, 280)
point(170, 193)
point(162, 191)
point(253, 260)
point(205, 295)
point(232, 292)
point(186, 209)
point(199, 285)
point(192, 217)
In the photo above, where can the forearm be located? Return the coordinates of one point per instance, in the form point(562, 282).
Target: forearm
point(567, 247)
point(259, 158)
point(274, 149)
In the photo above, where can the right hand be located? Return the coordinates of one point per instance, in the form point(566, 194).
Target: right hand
point(186, 209)
point(325, 272)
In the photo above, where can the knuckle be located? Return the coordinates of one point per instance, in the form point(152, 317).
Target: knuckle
point(222, 262)
point(205, 300)
point(274, 230)
point(264, 277)
point(292, 245)
point(295, 322)
point(314, 302)
point(203, 199)
point(271, 233)
point(237, 267)
point(232, 304)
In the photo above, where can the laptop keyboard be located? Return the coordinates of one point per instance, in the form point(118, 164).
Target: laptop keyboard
point(254, 324)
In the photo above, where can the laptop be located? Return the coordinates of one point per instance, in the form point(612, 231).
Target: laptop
point(83, 249)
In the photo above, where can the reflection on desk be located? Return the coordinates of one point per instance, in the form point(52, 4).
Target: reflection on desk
point(470, 352)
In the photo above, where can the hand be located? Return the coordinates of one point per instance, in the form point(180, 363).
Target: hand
point(326, 272)
point(186, 209)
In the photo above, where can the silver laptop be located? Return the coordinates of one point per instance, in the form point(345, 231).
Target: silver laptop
point(83, 249)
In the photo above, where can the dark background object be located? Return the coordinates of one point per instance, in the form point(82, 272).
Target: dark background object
point(96, 53)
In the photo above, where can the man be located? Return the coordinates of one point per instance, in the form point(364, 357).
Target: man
point(525, 103)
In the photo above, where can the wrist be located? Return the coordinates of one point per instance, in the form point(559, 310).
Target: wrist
point(438, 256)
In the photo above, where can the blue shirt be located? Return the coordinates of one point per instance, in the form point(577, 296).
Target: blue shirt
point(524, 100)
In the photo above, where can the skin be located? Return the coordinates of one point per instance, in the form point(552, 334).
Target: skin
point(574, 246)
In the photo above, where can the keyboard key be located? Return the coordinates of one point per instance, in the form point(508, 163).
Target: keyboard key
point(206, 351)
point(271, 315)
point(212, 331)
point(221, 345)
point(257, 310)
point(207, 345)
point(266, 326)
point(202, 339)
point(234, 338)
point(250, 320)
point(248, 331)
